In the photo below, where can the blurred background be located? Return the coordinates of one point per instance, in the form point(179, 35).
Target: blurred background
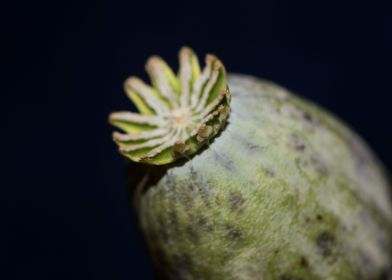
point(67, 209)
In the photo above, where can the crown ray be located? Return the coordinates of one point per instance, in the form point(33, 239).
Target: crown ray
point(146, 99)
point(163, 78)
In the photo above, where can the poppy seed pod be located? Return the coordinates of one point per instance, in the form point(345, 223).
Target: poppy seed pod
point(235, 177)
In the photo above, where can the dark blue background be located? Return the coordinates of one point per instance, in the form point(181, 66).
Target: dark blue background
point(67, 211)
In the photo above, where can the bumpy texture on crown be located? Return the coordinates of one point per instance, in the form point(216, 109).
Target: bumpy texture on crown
point(178, 114)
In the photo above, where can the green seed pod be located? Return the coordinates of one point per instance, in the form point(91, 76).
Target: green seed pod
point(239, 179)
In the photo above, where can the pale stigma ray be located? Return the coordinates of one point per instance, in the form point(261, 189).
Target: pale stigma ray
point(147, 94)
point(148, 144)
point(130, 117)
point(160, 75)
point(201, 81)
point(207, 90)
point(145, 135)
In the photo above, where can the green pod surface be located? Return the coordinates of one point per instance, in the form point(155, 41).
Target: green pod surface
point(284, 191)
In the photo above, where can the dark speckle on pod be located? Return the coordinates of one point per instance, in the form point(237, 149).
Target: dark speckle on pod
point(190, 186)
point(203, 223)
point(236, 201)
point(223, 160)
point(251, 147)
point(325, 242)
point(319, 165)
point(308, 117)
point(186, 198)
point(196, 181)
point(204, 193)
point(297, 143)
point(300, 163)
point(193, 174)
point(234, 233)
point(319, 217)
point(304, 262)
point(268, 171)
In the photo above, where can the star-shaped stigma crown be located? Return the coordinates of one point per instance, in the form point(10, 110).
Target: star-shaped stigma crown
point(178, 114)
